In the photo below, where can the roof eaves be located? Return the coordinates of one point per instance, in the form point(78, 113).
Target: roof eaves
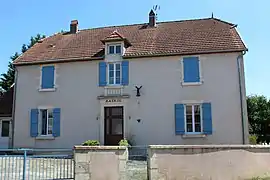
point(48, 61)
point(181, 54)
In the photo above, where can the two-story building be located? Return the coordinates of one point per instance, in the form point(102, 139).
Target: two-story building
point(178, 82)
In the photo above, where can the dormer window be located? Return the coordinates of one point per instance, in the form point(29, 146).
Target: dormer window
point(114, 49)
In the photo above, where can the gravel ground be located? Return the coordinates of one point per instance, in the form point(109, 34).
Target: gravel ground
point(137, 170)
point(11, 168)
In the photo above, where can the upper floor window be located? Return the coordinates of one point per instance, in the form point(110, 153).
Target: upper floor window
point(47, 77)
point(191, 70)
point(114, 49)
point(114, 72)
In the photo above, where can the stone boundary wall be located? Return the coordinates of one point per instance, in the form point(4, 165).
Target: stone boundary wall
point(100, 162)
point(208, 162)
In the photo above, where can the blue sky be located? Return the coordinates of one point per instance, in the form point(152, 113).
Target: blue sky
point(22, 19)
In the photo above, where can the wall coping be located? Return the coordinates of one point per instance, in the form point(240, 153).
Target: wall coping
point(208, 146)
point(100, 147)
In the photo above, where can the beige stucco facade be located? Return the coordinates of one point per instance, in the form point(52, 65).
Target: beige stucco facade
point(82, 113)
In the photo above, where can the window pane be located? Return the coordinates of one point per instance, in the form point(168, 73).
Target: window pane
point(117, 126)
point(50, 112)
point(117, 67)
point(118, 74)
point(197, 127)
point(5, 129)
point(197, 119)
point(118, 49)
point(111, 80)
point(197, 109)
point(117, 81)
point(44, 122)
point(111, 74)
point(189, 127)
point(111, 49)
point(117, 111)
point(188, 109)
point(189, 119)
point(111, 67)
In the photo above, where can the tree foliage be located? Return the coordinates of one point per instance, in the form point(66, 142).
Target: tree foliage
point(7, 78)
point(258, 108)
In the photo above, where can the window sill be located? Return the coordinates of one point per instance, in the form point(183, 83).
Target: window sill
point(193, 136)
point(114, 86)
point(47, 90)
point(45, 138)
point(192, 83)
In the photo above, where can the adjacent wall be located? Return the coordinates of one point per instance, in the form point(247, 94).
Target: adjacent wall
point(100, 162)
point(217, 162)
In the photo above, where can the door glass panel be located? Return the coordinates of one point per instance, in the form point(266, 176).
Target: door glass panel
point(5, 129)
point(117, 127)
point(116, 111)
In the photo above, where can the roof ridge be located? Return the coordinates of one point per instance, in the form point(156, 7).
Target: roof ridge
point(162, 22)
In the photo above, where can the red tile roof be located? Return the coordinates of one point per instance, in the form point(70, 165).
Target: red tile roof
point(168, 38)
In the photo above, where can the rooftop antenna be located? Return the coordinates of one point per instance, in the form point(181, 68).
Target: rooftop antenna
point(155, 9)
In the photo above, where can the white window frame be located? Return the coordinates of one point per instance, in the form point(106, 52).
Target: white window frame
point(182, 72)
point(114, 74)
point(47, 121)
point(114, 47)
point(54, 82)
point(193, 118)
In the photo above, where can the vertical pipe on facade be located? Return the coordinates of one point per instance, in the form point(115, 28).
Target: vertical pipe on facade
point(13, 107)
point(241, 95)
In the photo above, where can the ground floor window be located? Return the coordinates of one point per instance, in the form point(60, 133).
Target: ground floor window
point(193, 118)
point(46, 122)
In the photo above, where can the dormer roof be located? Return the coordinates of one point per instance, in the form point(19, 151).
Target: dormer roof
point(116, 36)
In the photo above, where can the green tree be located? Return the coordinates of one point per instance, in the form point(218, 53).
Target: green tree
point(258, 108)
point(7, 79)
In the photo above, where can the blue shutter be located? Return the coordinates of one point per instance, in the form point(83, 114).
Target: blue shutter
point(125, 73)
point(191, 69)
point(34, 123)
point(47, 77)
point(102, 74)
point(207, 118)
point(56, 122)
point(179, 119)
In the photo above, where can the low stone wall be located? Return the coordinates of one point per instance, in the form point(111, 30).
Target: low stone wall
point(100, 162)
point(206, 162)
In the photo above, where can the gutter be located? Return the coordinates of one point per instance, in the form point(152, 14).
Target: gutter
point(13, 108)
point(241, 96)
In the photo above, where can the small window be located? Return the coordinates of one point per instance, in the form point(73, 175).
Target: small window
point(46, 122)
point(193, 118)
point(114, 49)
point(114, 73)
point(5, 129)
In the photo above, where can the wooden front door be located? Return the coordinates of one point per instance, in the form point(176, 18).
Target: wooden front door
point(114, 125)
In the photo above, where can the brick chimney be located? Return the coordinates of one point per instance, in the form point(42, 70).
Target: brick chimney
point(74, 27)
point(152, 19)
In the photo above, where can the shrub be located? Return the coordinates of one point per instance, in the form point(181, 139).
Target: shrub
point(123, 142)
point(253, 139)
point(91, 143)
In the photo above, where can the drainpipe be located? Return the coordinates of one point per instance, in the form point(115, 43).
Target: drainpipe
point(13, 107)
point(241, 95)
